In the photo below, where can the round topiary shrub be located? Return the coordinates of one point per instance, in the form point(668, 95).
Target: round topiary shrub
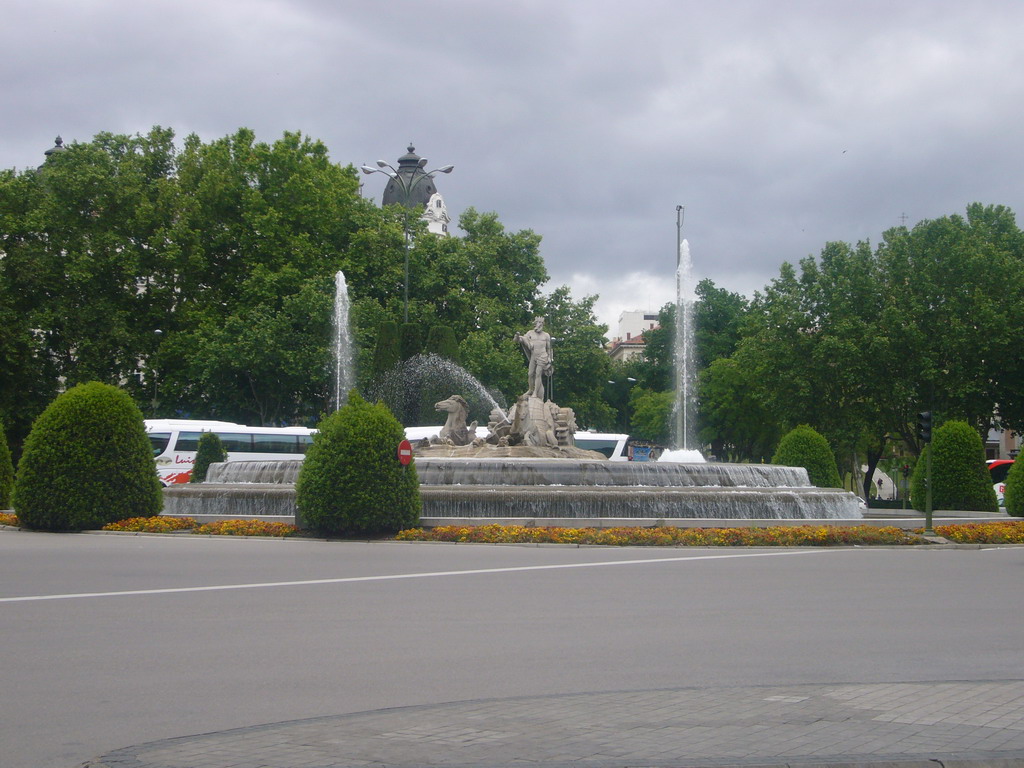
point(805, 447)
point(87, 462)
point(1013, 496)
point(210, 451)
point(960, 479)
point(6, 471)
point(351, 482)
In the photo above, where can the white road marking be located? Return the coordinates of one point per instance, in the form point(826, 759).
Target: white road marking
point(398, 576)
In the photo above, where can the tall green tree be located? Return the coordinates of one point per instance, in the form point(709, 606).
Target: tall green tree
point(734, 419)
point(718, 317)
point(264, 227)
point(651, 415)
point(954, 289)
point(581, 365)
point(198, 275)
point(486, 278)
point(79, 260)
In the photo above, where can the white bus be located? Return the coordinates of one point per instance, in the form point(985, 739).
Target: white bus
point(175, 442)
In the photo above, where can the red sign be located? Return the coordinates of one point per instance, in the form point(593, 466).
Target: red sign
point(404, 453)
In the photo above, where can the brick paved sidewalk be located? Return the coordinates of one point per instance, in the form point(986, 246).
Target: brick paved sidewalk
point(951, 723)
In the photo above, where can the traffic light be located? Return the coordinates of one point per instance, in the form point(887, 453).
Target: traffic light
point(924, 426)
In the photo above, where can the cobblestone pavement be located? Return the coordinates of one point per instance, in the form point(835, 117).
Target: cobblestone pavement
point(950, 723)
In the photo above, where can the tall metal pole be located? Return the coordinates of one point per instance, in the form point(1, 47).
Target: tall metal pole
point(405, 245)
point(928, 494)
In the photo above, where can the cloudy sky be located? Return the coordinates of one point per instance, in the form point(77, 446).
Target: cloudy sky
point(779, 125)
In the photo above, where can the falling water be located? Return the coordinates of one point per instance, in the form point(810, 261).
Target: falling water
point(684, 407)
point(344, 369)
point(412, 387)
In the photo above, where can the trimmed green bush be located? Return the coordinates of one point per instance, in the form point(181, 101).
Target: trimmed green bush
point(805, 447)
point(387, 354)
point(410, 340)
point(351, 482)
point(441, 341)
point(1013, 497)
point(960, 479)
point(87, 462)
point(210, 451)
point(6, 471)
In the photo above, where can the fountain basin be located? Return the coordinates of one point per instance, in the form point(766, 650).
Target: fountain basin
point(508, 488)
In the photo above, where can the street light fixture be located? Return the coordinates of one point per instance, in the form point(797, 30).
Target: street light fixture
point(407, 183)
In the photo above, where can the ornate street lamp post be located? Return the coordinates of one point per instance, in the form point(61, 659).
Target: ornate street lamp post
point(405, 181)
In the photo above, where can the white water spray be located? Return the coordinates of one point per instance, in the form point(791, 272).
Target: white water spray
point(684, 407)
point(344, 368)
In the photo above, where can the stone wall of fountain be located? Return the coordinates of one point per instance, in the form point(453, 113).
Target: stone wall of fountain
point(540, 489)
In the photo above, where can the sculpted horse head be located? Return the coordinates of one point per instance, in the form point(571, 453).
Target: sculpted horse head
point(456, 407)
point(455, 428)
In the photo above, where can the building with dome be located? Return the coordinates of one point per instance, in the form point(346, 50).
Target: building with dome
point(412, 186)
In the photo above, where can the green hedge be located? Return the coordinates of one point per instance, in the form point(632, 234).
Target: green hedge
point(351, 482)
point(410, 340)
point(387, 354)
point(441, 340)
point(960, 479)
point(87, 462)
point(805, 447)
point(1013, 498)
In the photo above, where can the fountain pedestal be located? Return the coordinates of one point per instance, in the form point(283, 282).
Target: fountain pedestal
point(539, 490)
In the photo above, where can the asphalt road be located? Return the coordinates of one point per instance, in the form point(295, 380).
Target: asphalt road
point(108, 641)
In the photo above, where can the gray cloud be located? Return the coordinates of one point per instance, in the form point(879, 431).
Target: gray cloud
point(779, 126)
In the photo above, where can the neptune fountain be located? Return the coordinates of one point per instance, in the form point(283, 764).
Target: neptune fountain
point(527, 470)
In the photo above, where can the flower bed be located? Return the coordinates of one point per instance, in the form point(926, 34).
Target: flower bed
point(152, 524)
point(1000, 532)
point(247, 528)
point(1010, 532)
point(780, 536)
point(161, 524)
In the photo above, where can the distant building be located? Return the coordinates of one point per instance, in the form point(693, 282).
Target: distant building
point(417, 191)
point(621, 350)
point(632, 324)
point(436, 215)
point(1002, 444)
point(630, 342)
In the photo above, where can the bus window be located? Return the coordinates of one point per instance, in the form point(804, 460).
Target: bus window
point(187, 441)
point(275, 444)
point(235, 442)
point(304, 442)
point(159, 441)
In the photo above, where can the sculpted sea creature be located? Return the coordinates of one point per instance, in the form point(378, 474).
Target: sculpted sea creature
point(455, 431)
